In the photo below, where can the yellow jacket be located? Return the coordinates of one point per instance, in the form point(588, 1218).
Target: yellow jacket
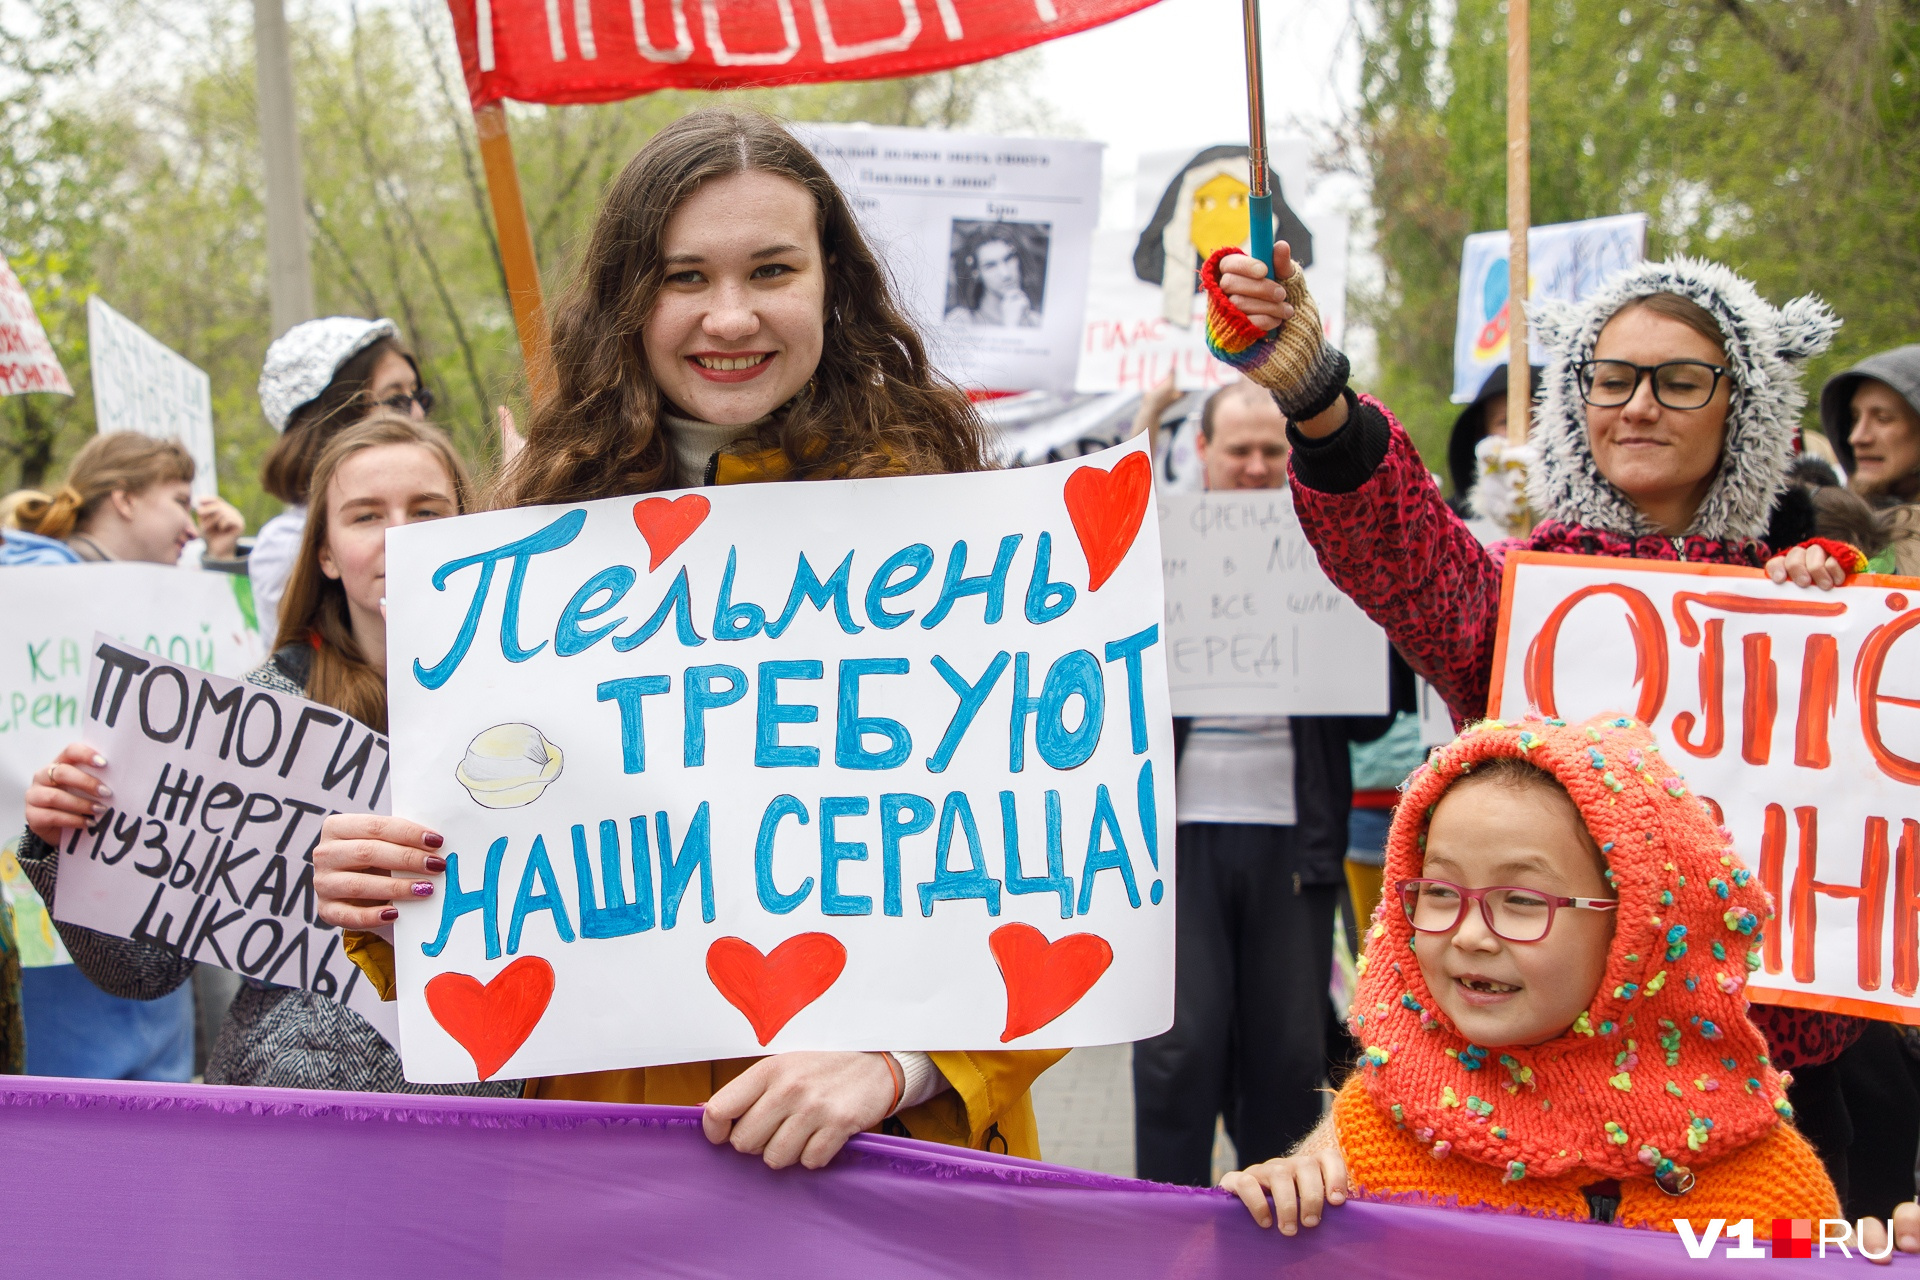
point(988, 1108)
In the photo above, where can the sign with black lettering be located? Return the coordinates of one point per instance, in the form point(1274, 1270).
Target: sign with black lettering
point(1253, 627)
point(219, 790)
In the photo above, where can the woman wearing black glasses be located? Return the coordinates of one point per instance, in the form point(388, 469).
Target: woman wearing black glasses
point(320, 378)
point(1667, 423)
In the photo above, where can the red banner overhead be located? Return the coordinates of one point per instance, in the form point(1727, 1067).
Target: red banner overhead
point(604, 50)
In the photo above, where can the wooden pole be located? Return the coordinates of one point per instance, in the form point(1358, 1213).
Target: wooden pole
point(1519, 218)
point(516, 247)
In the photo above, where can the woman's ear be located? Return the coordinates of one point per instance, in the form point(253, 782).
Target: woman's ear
point(122, 503)
point(328, 565)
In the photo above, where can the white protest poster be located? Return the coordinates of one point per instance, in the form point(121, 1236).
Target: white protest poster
point(1436, 721)
point(1565, 261)
point(219, 790)
point(1146, 316)
point(1254, 628)
point(27, 361)
point(201, 620)
point(987, 238)
point(141, 384)
point(840, 765)
point(1795, 715)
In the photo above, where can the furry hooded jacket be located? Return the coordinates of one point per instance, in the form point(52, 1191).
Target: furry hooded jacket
point(1386, 537)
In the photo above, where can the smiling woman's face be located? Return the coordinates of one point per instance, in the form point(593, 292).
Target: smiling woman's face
point(740, 321)
point(1662, 459)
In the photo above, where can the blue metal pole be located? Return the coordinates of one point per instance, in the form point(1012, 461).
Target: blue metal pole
point(1260, 198)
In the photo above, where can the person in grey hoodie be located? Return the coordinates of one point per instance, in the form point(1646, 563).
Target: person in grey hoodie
point(1871, 415)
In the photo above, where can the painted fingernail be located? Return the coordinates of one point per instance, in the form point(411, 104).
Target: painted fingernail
point(103, 791)
point(435, 863)
point(99, 762)
point(433, 840)
point(422, 889)
point(99, 809)
point(390, 914)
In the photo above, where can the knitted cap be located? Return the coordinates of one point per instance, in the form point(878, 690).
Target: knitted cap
point(302, 361)
point(1663, 1070)
point(1765, 346)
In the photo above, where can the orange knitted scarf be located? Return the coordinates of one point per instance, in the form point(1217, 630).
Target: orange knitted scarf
point(1663, 1071)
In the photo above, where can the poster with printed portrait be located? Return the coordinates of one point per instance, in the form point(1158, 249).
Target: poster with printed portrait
point(987, 240)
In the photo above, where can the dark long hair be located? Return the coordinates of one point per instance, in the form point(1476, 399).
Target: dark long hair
point(875, 406)
point(287, 473)
point(314, 610)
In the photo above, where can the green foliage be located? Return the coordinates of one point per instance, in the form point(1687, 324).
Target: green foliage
point(1781, 137)
point(155, 200)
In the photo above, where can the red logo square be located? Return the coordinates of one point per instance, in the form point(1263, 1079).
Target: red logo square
point(1793, 1237)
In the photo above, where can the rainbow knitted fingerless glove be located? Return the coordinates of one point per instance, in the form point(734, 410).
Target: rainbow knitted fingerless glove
point(1294, 362)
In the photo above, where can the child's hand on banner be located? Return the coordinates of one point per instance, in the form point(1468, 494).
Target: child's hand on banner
point(1302, 1185)
point(355, 866)
point(1906, 1234)
point(801, 1107)
point(64, 796)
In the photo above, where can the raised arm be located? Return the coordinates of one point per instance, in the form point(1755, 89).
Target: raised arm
point(1365, 499)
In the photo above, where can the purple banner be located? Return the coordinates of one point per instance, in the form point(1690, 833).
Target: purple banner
point(122, 1179)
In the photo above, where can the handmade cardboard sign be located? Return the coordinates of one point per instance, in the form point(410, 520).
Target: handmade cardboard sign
point(141, 384)
point(1796, 715)
point(27, 361)
point(858, 764)
point(1566, 261)
point(1254, 628)
point(1146, 316)
point(219, 790)
point(200, 620)
point(988, 238)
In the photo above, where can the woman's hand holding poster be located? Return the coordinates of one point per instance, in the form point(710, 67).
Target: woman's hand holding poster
point(1797, 713)
point(219, 790)
point(856, 764)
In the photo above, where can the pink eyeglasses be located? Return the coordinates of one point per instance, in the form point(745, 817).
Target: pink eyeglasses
point(1518, 915)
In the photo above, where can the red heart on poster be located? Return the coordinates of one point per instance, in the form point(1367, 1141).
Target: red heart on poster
point(1045, 979)
point(492, 1022)
point(770, 989)
point(666, 523)
point(1106, 508)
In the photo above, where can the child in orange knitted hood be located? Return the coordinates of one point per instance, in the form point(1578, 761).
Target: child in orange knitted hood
point(1552, 1003)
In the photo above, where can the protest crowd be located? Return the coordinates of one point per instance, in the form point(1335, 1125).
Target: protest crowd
point(1502, 965)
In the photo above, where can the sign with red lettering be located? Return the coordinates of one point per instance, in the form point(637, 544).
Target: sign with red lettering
point(1796, 714)
point(27, 362)
point(606, 50)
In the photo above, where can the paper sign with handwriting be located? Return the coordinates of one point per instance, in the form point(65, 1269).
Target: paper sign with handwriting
point(219, 790)
point(141, 384)
point(1254, 628)
point(201, 620)
point(859, 764)
point(1794, 713)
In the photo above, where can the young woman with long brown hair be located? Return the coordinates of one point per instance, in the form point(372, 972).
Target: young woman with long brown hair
point(728, 324)
point(386, 471)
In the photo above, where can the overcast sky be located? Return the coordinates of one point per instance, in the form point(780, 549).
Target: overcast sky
point(1174, 75)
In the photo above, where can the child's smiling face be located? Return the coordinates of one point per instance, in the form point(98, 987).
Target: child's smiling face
point(1488, 832)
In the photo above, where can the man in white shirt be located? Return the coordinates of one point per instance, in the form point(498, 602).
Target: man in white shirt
point(1261, 803)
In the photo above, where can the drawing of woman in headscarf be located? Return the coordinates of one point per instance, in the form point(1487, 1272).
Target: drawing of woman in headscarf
point(1204, 208)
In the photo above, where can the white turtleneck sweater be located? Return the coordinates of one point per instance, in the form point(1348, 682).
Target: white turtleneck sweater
point(694, 443)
